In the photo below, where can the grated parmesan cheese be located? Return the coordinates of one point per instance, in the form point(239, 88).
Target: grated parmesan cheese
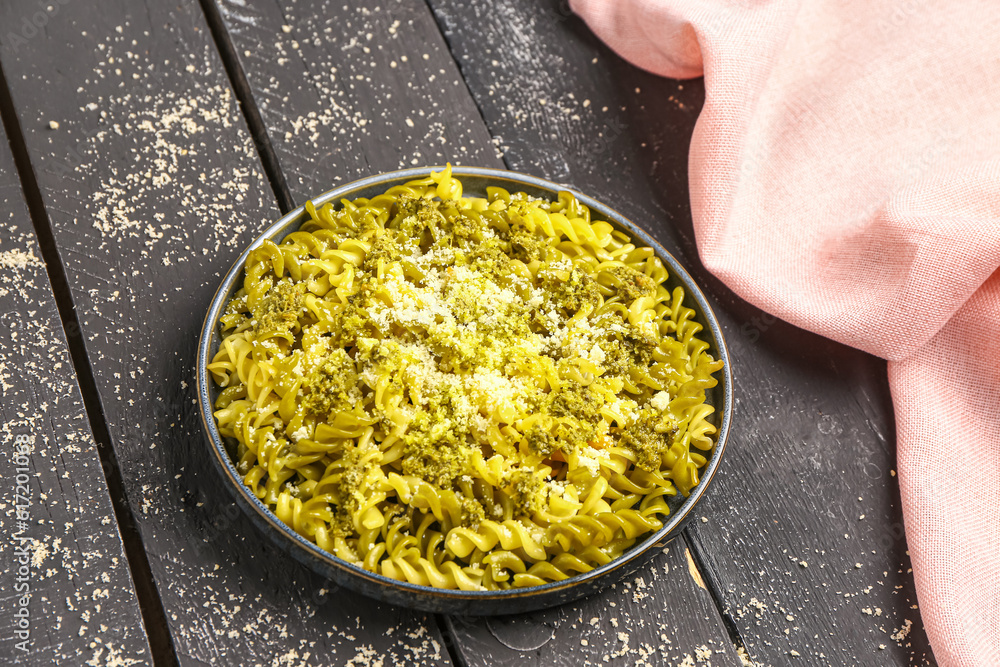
point(660, 400)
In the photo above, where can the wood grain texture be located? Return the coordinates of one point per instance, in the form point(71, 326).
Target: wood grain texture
point(349, 88)
point(417, 111)
point(663, 615)
point(61, 547)
point(802, 538)
point(152, 186)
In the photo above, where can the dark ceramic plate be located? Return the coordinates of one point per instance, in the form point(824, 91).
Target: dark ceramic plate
point(354, 577)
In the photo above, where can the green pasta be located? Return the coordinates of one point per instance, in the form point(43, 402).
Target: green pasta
point(462, 392)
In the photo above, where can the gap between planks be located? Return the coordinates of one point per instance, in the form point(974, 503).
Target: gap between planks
point(254, 120)
point(465, 80)
point(155, 622)
point(714, 590)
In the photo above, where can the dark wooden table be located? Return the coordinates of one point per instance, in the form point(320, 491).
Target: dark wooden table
point(147, 142)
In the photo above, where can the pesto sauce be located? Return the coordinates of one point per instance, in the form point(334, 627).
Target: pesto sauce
point(347, 490)
point(332, 387)
point(280, 309)
point(526, 491)
point(471, 334)
point(649, 437)
point(633, 283)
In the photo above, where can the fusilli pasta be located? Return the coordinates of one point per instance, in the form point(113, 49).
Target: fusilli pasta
point(463, 392)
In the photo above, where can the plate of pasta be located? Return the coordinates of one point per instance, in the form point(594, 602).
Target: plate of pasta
point(463, 390)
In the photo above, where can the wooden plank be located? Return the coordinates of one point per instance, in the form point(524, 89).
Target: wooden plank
point(661, 616)
point(152, 186)
point(813, 443)
point(65, 584)
point(810, 510)
point(281, 66)
point(346, 89)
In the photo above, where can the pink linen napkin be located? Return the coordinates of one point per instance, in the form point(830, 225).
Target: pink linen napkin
point(845, 176)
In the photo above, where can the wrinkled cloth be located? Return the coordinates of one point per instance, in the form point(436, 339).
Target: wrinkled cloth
point(845, 176)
